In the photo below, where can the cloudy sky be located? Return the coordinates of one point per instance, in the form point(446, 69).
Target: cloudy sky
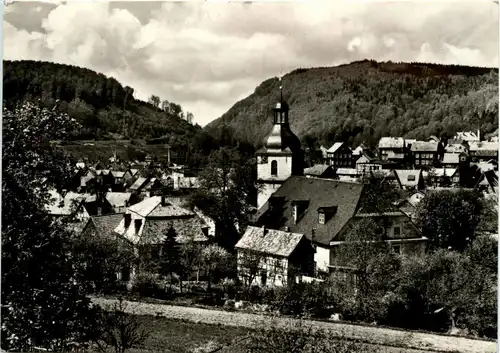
point(207, 55)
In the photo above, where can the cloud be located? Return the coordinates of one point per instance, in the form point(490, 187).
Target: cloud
point(207, 55)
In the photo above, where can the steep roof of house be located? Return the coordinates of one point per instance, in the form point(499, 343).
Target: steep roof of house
point(138, 183)
point(318, 193)
point(455, 148)
point(358, 150)
point(155, 230)
point(335, 147)
point(118, 199)
point(391, 142)
point(152, 208)
point(408, 178)
point(424, 146)
point(316, 170)
point(269, 241)
point(117, 173)
point(105, 225)
point(466, 136)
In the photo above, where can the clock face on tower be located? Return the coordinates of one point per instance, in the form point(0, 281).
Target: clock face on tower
point(264, 159)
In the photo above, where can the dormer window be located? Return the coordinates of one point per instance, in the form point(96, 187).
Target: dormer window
point(325, 213)
point(321, 218)
point(411, 177)
point(298, 209)
point(128, 219)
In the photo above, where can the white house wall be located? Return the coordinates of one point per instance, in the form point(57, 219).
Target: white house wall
point(322, 258)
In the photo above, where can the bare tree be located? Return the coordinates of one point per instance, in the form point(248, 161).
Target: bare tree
point(119, 330)
point(249, 267)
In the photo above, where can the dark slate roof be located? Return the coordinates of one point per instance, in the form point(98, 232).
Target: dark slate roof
point(269, 241)
point(316, 170)
point(423, 146)
point(319, 193)
point(105, 225)
point(155, 230)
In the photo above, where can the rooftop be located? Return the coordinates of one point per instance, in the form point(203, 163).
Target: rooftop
point(269, 241)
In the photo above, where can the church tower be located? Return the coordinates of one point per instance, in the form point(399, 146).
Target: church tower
point(280, 157)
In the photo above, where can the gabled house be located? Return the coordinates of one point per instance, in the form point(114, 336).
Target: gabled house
point(457, 146)
point(340, 155)
point(393, 149)
point(409, 179)
point(147, 224)
point(273, 257)
point(320, 171)
point(409, 205)
point(427, 154)
point(321, 209)
point(138, 185)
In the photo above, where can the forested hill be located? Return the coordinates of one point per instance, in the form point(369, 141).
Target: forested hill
point(363, 101)
point(101, 104)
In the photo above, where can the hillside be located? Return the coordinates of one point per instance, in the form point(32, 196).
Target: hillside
point(105, 109)
point(363, 101)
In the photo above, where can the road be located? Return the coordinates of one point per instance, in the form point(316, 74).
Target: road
point(369, 334)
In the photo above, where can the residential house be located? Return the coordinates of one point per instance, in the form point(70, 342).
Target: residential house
point(103, 227)
point(393, 149)
point(340, 155)
point(400, 232)
point(454, 160)
point(427, 154)
point(147, 224)
point(119, 201)
point(488, 182)
point(138, 185)
point(273, 257)
point(409, 179)
point(321, 209)
point(358, 152)
point(118, 179)
point(457, 146)
point(368, 163)
point(320, 171)
point(444, 177)
point(483, 151)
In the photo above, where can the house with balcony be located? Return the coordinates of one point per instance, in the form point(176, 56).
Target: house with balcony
point(340, 155)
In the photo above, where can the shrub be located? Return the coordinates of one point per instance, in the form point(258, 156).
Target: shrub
point(146, 285)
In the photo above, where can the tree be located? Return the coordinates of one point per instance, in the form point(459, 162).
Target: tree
point(227, 193)
point(189, 259)
point(189, 117)
point(119, 330)
point(214, 260)
point(43, 301)
point(366, 252)
point(249, 267)
point(155, 101)
point(449, 218)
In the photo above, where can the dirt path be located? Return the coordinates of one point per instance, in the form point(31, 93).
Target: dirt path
point(373, 335)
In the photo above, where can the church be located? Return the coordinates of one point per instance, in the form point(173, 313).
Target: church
point(280, 157)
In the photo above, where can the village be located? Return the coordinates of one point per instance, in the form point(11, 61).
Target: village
point(302, 215)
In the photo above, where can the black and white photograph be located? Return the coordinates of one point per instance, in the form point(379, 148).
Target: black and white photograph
point(287, 176)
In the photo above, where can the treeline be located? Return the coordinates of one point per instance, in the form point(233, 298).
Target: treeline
point(102, 106)
point(364, 101)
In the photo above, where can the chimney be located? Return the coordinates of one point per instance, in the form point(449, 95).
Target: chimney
point(163, 201)
point(168, 154)
point(478, 135)
point(287, 229)
point(263, 230)
point(99, 211)
point(313, 234)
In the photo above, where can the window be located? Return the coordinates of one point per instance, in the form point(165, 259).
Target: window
point(321, 218)
point(263, 277)
point(397, 231)
point(396, 249)
point(128, 219)
point(274, 168)
point(138, 223)
point(411, 177)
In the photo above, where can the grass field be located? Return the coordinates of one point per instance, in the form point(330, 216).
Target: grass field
point(168, 335)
